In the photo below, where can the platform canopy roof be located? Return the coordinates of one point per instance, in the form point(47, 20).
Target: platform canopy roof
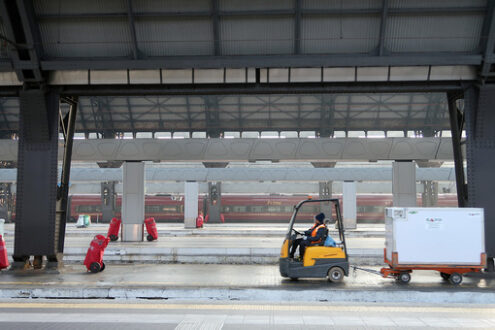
point(139, 34)
point(418, 41)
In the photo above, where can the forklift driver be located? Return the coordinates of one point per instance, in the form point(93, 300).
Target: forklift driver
point(313, 236)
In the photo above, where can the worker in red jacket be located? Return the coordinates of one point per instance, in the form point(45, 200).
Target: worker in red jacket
point(313, 236)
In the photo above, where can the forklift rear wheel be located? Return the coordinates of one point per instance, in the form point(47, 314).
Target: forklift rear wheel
point(455, 278)
point(335, 274)
point(404, 278)
point(113, 238)
point(149, 238)
point(94, 267)
point(445, 276)
point(102, 266)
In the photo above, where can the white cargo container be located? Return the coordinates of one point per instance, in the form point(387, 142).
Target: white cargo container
point(434, 236)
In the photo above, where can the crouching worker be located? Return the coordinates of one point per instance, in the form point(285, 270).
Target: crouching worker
point(313, 236)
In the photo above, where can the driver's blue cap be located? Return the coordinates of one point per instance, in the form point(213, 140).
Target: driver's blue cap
point(320, 217)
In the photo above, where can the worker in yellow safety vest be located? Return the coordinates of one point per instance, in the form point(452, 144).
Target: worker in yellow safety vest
point(313, 236)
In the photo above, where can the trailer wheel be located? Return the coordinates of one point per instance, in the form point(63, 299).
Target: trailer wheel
point(149, 238)
point(102, 266)
point(94, 267)
point(294, 279)
point(455, 278)
point(335, 275)
point(445, 276)
point(404, 278)
point(113, 238)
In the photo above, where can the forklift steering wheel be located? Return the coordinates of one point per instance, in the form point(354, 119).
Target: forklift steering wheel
point(296, 231)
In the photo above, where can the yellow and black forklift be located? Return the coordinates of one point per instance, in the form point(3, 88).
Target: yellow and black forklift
point(318, 261)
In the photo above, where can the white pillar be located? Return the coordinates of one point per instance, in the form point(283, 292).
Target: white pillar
point(404, 183)
point(191, 193)
point(133, 202)
point(349, 201)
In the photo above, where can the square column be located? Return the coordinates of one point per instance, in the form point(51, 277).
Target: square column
point(191, 193)
point(404, 183)
point(349, 204)
point(133, 202)
point(36, 229)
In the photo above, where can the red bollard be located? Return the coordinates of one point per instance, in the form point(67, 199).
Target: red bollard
point(113, 230)
point(4, 259)
point(94, 257)
point(207, 217)
point(199, 221)
point(151, 229)
point(222, 218)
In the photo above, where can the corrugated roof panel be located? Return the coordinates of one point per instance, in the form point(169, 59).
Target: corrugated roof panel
point(256, 35)
point(174, 36)
point(54, 7)
point(255, 4)
point(434, 33)
point(339, 34)
point(341, 4)
point(153, 6)
point(86, 37)
point(435, 3)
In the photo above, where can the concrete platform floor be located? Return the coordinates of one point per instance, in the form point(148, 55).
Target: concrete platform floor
point(70, 314)
point(237, 282)
point(216, 243)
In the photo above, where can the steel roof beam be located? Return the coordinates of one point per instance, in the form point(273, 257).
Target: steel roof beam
point(277, 12)
point(132, 30)
point(262, 61)
point(248, 89)
point(297, 26)
point(215, 20)
point(383, 28)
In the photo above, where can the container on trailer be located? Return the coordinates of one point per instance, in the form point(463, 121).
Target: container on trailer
point(434, 236)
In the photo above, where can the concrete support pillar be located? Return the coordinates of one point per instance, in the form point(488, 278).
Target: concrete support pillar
point(404, 183)
point(191, 193)
point(325, 192)
point(133, 202)
point(349, 204)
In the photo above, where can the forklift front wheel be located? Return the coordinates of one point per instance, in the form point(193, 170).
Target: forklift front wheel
point(335, 274)
point(455, 278)
point(445, 276)
point(404, 278)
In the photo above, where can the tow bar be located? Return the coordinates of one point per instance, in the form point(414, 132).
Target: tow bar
point(372, 271)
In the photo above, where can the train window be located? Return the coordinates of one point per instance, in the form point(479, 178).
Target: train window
point(274, 209)
point(257, 208)
point(239, 208)
point(88, 209)
point(161, 208)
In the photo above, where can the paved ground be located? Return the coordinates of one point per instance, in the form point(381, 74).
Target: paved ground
point(236, 282)
point(75, 315)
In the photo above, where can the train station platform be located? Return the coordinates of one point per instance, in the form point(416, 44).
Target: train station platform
point(215, 243)
point(213, 282)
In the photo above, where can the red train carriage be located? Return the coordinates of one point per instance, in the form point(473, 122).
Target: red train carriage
point(246, 208)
